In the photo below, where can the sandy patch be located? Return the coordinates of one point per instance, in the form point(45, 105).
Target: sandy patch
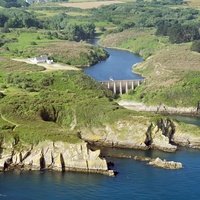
point(89, 5)
point(193, 3)
point(50, 67)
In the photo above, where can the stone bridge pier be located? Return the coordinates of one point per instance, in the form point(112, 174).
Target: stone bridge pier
point(122, 86)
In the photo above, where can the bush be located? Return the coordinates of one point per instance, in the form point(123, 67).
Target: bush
point(196, 46)
point(33, 43)
point(2, 95)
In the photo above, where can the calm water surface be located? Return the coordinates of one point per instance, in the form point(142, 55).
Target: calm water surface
point(188, 120)
point(118, 66)
point(136, 180)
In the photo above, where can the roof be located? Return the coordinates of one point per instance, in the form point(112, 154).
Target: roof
point(42, 58)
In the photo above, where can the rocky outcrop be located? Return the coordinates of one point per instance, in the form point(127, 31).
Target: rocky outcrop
point(121, 135)
point(187, 136)
point(178, 133)
point(137, 134)
point(150, 161)
point(60, 156)
point(160, 135)
point(165, 164)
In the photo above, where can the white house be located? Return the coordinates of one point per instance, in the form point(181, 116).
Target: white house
point(30, 1)
point(41, 59)
point(36, 1)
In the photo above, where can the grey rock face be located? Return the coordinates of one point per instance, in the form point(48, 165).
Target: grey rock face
point(60, 156)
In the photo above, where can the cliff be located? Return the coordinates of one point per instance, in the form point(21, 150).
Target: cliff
point(126, 134)
point(60, 156)
point(140, 133)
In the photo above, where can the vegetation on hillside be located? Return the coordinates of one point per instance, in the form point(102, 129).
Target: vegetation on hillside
point(29, 43)
point(141, 41)
point(178, 33)
point(172, 77)
point(55, 105)
point(13, 3)
point(35, 106)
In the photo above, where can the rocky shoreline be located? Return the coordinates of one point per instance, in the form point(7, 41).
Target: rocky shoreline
point(157, 162)
point(151, 136)
point(58, 156)
point(138, 133)
point(163, 134)
point(162, 109)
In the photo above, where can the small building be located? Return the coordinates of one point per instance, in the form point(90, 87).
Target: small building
point(41, 59)
point(30, 1)
point(36, 1)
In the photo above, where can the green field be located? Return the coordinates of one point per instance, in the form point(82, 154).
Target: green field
point(26, 39)
point(140, 41)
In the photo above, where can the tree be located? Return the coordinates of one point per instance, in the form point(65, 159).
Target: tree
point(177, 32)
point(3, 19)
point(79, 32)
point(5, 29)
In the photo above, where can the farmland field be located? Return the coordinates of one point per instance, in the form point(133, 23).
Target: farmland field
point(89, 5)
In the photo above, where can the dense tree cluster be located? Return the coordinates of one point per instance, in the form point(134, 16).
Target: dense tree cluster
point(79, 32)
point(13, 3)
point(17, 18)
point(57, 22)
point(69, 31)
point(178, 33)
point(143, 14)
point(179, 24)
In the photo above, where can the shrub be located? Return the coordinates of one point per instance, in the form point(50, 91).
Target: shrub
point(33, 43)
point(196, 46)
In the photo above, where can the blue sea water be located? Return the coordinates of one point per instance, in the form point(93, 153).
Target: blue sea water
point(135, 180)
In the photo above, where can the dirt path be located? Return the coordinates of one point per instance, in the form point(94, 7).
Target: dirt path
point(49, 67)
point(10, 122)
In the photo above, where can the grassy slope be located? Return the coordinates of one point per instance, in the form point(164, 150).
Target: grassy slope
point(57, 105)
point(172, 77)
point(72, 53)
point(140, 41)
point(52, 105)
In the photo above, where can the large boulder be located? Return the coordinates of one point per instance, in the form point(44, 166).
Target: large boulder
point(165, 164)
